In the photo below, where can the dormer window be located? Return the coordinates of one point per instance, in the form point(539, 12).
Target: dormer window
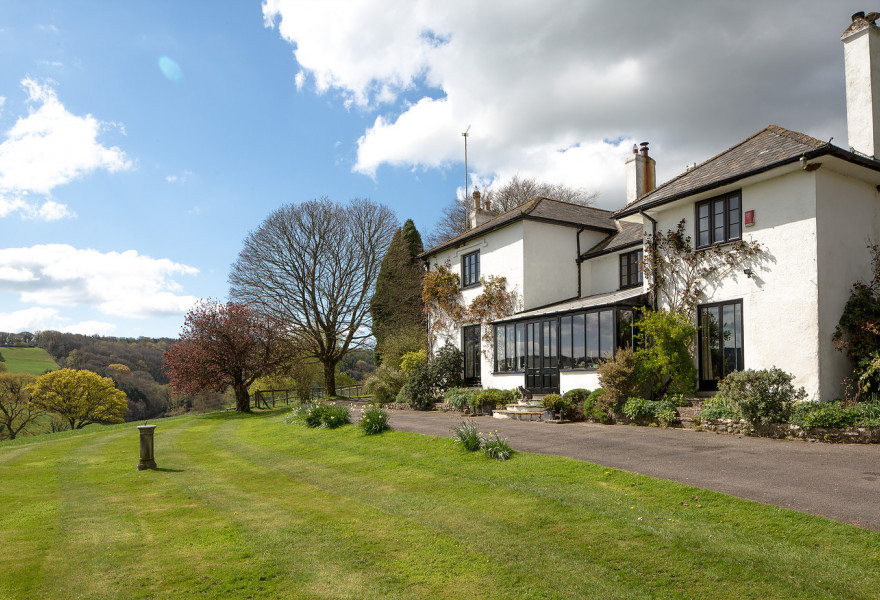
point(719, 220)
point(470, 269)
point(631, 269)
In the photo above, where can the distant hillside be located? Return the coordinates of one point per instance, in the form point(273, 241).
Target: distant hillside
point(35, 361)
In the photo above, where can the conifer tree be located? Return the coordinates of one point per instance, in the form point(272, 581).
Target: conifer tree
point(396, 306)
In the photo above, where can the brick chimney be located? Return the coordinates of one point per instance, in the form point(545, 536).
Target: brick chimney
point(861, 52)
point(640, 173)
point(479, 212)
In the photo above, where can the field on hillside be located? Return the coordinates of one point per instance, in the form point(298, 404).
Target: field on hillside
point(35, 361)
point(247, 506)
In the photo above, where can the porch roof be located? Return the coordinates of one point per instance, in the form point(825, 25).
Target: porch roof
point(630, 297)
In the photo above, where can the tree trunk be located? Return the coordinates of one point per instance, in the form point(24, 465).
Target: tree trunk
point(242, 398)
point(329, 379)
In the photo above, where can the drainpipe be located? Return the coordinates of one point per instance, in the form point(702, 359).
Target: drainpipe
point(653, 244)
point(578, 261)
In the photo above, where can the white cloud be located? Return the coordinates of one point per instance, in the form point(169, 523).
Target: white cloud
point(49, 148)
point(181, 178)
point(116, 283)
point(42, 319)
point(544, 84)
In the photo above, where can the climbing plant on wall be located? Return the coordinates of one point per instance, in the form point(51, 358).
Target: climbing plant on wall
point(679, 275)
point(447, 312)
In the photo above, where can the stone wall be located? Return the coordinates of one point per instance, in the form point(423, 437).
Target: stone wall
point(847, 435)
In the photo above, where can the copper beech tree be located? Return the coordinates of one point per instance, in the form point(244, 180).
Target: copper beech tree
point(225, 345)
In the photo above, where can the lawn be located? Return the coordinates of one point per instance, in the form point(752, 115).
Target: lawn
point(35, 361)
point(251, 507)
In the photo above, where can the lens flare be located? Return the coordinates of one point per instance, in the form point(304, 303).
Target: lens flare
point(170, 69)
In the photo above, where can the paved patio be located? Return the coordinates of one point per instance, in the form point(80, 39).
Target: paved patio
point(837, 481)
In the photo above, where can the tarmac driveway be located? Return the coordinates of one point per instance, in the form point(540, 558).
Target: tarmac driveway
point(837, 481)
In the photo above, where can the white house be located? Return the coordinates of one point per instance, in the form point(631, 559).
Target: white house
point(811, 205)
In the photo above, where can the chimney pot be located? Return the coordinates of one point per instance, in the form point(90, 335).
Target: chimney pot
point(640, 173)
point(858, 15)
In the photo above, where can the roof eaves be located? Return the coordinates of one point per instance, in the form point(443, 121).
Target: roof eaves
point(638, 206)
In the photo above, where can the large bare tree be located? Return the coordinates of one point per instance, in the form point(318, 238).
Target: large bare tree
point(312, 268)
point(502, 198)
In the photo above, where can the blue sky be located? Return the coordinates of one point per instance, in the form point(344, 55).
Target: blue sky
point(141, 141)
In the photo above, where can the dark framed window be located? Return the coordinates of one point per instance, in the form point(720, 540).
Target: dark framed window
point(631, 269)
point(585, 339)
point(470, 269)
point(719, 219)
point(720, 341)
point(510, 347)
point(471, 345)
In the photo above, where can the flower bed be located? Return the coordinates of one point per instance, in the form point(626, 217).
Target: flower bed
point(841, 435)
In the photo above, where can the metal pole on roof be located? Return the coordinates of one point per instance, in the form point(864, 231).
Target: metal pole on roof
point(465, 135)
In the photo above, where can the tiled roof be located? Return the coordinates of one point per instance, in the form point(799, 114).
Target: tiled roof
point(594, 301)
point(769, 148)
point(541, 209)
point(630, 234)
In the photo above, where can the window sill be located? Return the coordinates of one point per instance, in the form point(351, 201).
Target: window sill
point(471, 286)
point(717, 244)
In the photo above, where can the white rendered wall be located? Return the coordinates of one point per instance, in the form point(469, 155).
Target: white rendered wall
point(780, 302)
point(572, 380)
point(848, 217)
point(550, 263)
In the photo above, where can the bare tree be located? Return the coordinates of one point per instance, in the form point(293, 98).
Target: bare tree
point(502, 198)
point(522, 189)
point(312, 268)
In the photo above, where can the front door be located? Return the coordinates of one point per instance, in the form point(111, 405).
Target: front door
point(471, 345)
point(542, 357)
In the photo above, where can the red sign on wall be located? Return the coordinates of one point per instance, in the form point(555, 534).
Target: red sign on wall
point(750, 218)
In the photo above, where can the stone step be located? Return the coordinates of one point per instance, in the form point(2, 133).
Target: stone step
point(523, 415)
point(689, 412)
point(523, 407)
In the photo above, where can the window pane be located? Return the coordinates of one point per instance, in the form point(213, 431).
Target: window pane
point(579, 358)
point(703, 224)
point(733, 217)
point(565, 343)
point(554, 349)
point(640, 257)
point(510, 354)
point(546, 346)
point(738, 314)
point(499, 348)
point(520, 346)
point(718, 231)
point(606, 334)
point(593, 339)
point(728, 338)
point(624, 328)
point(624, 270)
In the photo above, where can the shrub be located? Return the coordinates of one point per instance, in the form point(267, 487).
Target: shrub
point(466, 436)
point(831, 414)
point(487, 397)
point(620, 380)
point(384, 384)
point(420, 390)
point(374, 421)
point(764, 396)
point(664, 352)
point(575, 400)
point(658, 411)
point(636, 408)
point(410, 360)
point(553, 402)
point(496, 447)
point(447, 365)
point(458, 398)
point(593, 409)
point(506, 397)
point(718, 408)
